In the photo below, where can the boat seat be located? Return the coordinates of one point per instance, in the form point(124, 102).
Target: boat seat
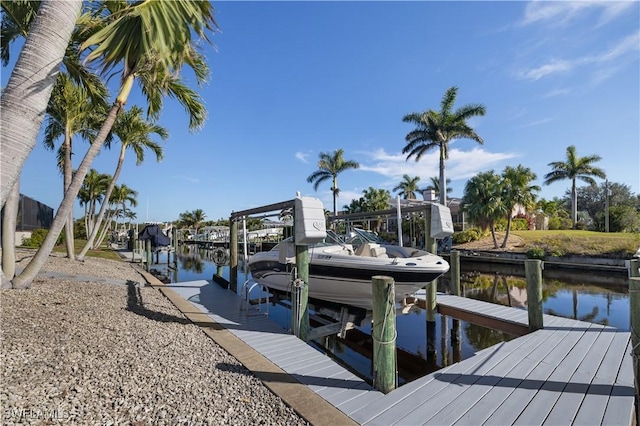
point(371, 250)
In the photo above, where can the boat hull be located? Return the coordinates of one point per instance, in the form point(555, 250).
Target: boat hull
point(347, 284)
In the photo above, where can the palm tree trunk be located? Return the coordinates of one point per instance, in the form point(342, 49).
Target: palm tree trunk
point(103, 207)
point(25, 97)
point(9, 220)
point(68, 227)
point(443, 181)
point(574, 202)
point(335, 195)
point(29, 273)
point(493, 234)
point(506, 236)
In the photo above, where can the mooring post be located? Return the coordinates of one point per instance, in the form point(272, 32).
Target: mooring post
point(430, 245)
point(454, 263)
point(533, 273)
point(300, 309)
point(634, 309)
point(134, 245)
point(149, 257)
point(233, 255)
point(383, 331)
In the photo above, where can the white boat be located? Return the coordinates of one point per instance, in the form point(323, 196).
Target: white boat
point(341, 271)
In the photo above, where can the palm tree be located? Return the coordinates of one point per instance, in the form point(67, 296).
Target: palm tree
point(25, 97)
point(77, 96)
point(134, 133)
point(72, 111)
point(120, 195)
point(517, 189)
point(435, 186)
point(193, 219)
point(574, 168)
point(356, 206)
point(408, 187)
point(435, 129)
point(329, 167)
point(374, 200)
point(152, 40)
point(483, 202)
point(91, 193)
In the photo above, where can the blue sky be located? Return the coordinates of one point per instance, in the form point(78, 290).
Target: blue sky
point(292, 79)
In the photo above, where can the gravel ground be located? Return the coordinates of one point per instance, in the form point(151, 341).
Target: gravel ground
point(81, 352)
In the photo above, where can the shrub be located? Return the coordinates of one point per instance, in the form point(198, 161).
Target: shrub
point(466, 236)
point(556, 223)
point(37, 238)
point(519, 224)
point(536, 253)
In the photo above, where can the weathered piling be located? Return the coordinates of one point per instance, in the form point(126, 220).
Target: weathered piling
point(383, 331)
point(149, 256)
point(430, 245)
point(233, 255)
point(454, 264)
point(533, 273)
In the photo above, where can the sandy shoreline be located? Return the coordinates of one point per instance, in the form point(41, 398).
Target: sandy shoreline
point(93, 353)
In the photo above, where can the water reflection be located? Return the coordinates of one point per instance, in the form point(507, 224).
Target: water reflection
point(426, 347)
point(577, 297)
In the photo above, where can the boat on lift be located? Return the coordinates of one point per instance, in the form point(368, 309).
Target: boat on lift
point(340, 269)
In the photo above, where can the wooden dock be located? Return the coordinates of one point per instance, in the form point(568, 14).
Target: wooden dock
point(570, 372)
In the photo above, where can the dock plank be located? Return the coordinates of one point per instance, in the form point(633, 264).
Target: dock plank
point(568, 372)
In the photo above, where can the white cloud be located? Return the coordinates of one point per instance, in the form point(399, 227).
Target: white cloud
point(561, 12)
point(622, 48)
point(537, 123)
point(460, 165)
point(554, 93)
point(302, 156)
point(553, 67)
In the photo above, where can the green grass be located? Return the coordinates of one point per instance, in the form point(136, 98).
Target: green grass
point(103, 252)
point(582, 243)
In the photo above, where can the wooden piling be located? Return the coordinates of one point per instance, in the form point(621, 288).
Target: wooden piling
point(383, 331)
point(533, 273)
point(149, 257)
point(454, 263)
point(300, 309)
point(233, 255)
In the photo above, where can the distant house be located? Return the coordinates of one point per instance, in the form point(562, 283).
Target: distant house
point(32, 215)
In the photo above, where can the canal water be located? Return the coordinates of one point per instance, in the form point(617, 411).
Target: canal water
point(585, 297)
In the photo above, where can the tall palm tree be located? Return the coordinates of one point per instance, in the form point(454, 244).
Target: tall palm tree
point(574, 168)
point(25, 97)
point(435, 129)
point(408, 187)
point(517, 189)
point(152, 41)
point(134, 133)
point(77, 94)
point(330, 165)
point(72, 110)
point(482, 200)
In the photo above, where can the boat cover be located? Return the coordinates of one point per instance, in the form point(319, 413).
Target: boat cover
point(155, 234)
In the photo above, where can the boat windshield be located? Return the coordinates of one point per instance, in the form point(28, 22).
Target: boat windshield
point(359, 236)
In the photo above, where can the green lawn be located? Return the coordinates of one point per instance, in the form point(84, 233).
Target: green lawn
point(103, 252)
point(590, 243)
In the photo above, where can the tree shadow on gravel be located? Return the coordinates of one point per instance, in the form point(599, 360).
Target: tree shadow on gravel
point(135, 304)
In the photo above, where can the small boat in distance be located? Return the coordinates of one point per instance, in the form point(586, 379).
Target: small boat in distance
point(340, 269)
